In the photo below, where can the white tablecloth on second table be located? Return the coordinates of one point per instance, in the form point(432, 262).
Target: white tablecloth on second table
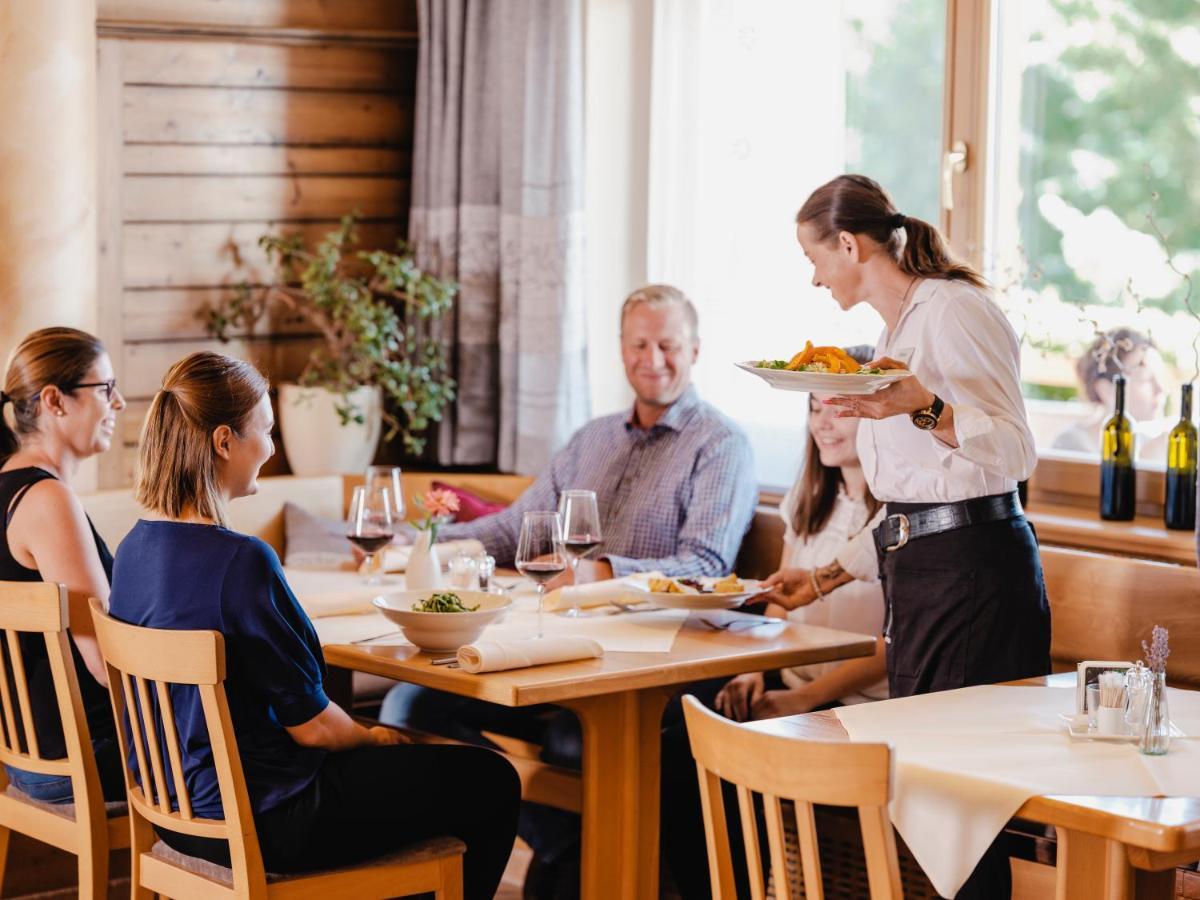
point(966, 761)
point(334, 592)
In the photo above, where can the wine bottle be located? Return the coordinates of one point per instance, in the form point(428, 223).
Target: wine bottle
point(1179, 505)
point(1118, 484)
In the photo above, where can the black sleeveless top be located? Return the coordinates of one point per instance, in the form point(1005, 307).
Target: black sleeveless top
point(46, 721)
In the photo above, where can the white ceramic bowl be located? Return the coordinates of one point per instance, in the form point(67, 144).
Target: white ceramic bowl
point(442, 631)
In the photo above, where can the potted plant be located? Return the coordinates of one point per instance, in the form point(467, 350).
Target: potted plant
point(380, 362)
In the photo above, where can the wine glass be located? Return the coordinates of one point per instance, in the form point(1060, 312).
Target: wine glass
point(388, 477)
point(372, 524)
point(540, 553)
point(581, 528)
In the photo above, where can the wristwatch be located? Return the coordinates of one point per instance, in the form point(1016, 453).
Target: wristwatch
point(927, 419)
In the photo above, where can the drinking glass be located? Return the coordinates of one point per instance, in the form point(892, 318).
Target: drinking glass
point(372, 524)
point(388, 477)
point(581, 528)
point(540, 553)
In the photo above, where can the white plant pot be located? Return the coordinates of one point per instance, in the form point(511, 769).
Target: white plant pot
point(424, 569)
point(314, 438)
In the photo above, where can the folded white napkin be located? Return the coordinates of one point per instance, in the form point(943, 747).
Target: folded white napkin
point(395, 557)
point(496, 656)
point(598, 593)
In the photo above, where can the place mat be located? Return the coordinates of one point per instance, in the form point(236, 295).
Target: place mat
point(369, 629)
point(652, 631)
point(333, 592)
point(965, 761)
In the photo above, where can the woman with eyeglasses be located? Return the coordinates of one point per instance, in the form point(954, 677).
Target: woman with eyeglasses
point(58, 407)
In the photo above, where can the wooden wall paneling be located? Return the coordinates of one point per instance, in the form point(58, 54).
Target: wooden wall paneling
point(214, 254)
point(221, 115)
point(357, 15)
point(264, 159)
point(281, 358)
point(256, 198)
point(178, 312)
point(110, 319)
point(259, 64)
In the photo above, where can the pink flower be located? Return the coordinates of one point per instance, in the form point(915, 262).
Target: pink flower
point(440, 503)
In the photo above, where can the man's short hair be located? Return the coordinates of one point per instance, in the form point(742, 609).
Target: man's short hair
point(657, 295)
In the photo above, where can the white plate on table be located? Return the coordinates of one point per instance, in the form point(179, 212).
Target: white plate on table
point(1077, 728)
point(823, 382)
point(707, 600)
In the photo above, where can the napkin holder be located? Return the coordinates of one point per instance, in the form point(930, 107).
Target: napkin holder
point(1089, 673)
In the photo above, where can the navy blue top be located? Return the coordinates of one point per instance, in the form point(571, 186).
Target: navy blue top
point(204, 577)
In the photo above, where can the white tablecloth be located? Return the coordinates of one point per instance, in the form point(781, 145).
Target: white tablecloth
point(966, 760)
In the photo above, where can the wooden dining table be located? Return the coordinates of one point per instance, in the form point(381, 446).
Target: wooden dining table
point(1109, 848)
point(619, 699)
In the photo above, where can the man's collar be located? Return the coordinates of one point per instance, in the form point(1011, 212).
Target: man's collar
point(676, 414)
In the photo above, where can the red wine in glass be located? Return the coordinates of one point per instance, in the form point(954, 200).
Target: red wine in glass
point(541, 572)
point(580, 547)
point(370, 543)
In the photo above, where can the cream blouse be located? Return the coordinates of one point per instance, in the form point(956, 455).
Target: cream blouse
point(856, 606)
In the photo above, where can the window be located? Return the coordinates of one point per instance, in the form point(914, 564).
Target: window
point(753, 106)
point(1096, 127)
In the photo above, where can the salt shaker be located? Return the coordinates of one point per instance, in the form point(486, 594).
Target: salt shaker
point(463, 572)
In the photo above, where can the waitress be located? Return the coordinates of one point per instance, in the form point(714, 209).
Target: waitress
point(943, 448)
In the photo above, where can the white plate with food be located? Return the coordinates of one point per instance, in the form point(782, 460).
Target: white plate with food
point(702, 593)
point(863, 382)
point(442, 620)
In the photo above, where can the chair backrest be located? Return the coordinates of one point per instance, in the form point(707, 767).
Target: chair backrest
point(143, 663)
point(805, 772)
point(40, 609)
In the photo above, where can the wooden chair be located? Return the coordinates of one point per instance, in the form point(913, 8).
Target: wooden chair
point(144, 662)
point(805, 772)
point(88, 827)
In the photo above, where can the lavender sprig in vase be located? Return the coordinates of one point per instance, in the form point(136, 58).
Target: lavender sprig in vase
point(1156, 729)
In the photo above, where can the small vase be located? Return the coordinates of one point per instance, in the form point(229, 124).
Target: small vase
point(1156, 730)
point(424, 570)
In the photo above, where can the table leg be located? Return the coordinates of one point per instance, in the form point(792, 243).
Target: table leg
point(1092, 868)
point(621, 734)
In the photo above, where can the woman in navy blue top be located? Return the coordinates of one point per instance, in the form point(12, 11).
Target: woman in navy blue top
point(325, 790)
point(62, 402)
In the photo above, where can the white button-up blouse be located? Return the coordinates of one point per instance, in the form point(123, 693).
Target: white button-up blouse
point(960, 345)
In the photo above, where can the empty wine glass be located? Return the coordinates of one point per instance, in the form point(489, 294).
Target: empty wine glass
point(371, 525)
point(581, 528)
point(540, 553)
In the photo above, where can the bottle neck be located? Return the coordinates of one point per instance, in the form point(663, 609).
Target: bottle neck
point(1185, 403)
point(1119, 386)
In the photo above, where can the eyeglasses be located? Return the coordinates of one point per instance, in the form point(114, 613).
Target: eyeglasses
point(109, 386)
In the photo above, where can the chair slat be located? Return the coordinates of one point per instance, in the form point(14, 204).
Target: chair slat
point(879, 844)
point(720, 860)
point(810, 851)
point(134, 716)
point(152, 746)
point(17, 659)
point(10, 720)
point(171, 737)
point(773, 810)
point(758, 890)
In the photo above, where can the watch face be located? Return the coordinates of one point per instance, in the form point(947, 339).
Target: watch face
point(926, 421)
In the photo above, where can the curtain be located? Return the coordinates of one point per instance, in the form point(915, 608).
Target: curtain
point(497, 204)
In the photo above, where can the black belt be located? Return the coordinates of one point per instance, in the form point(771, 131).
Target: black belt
point(898, 529)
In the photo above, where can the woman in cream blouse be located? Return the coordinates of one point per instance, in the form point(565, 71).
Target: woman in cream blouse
point(827, 506)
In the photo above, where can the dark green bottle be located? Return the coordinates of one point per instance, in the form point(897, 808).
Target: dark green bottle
point(1118, 484)
point(1179, 505)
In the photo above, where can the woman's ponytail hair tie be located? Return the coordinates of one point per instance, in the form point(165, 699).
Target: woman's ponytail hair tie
point(897, 221)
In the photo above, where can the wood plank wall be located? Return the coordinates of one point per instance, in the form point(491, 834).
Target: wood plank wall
point(221, 120)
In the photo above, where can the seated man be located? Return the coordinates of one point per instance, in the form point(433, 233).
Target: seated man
point(674, 481)
point(673, 478)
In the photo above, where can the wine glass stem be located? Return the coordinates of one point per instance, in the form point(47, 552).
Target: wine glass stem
point(573, 609)
point(541, 591)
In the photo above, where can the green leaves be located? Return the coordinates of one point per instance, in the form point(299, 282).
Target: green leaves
point(377, 311)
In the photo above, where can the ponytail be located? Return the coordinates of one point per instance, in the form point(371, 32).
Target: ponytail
point(925, 254)
point(857, 204)
point(8, 438)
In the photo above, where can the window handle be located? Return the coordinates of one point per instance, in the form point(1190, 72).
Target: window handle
point(954, 162)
